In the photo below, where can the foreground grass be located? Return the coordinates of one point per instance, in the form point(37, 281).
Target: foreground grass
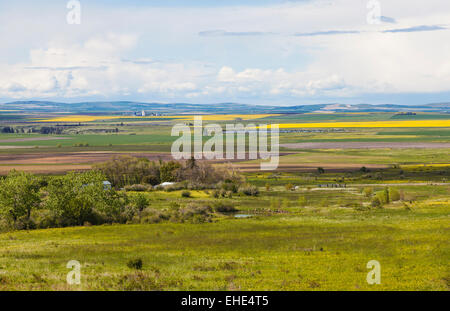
point(316, 249)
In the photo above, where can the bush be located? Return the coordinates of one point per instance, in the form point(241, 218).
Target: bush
point(376, 202)
point(249, 190)
point(194, 213)
point(289, 186)
point(185, 194)
point(216, 194)
point(137, 188)
point(368, 191)
point(394, 194)
point(229, 186)
point(222, 207)
point(135, 264)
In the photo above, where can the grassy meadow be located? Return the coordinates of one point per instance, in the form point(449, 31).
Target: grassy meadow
point(305, 230)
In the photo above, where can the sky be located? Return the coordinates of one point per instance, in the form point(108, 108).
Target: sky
point(273, 52)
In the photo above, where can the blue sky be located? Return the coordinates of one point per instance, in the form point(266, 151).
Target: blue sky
point(251, 51)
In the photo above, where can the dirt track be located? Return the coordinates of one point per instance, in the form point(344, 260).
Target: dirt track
point(366, 145)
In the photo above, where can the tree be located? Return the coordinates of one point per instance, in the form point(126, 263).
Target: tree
point(168, 171)
point(140, 202)
point(19, 196)
point(320, 170)
point(394, 194)
point(386, 195)
point(368, 191)
point(74, 197)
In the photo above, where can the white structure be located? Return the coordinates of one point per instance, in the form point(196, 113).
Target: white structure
point(106, 185)
point(166, 184)
point(143, 113)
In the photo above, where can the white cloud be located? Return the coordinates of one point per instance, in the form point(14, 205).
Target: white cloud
point(158, 53)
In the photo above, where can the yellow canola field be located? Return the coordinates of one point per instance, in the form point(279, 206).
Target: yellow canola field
point(380, 124)
point(216, 117)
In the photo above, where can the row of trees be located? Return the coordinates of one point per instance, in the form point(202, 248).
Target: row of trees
point(380, 198)
point(28, 201)
point(127, 170)
point(43, 130)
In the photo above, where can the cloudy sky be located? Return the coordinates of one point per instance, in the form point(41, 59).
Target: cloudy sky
point(249, 51)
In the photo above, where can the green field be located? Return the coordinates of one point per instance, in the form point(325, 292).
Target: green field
point(311, 248)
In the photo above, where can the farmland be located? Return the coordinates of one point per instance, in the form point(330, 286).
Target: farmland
point(311, 226)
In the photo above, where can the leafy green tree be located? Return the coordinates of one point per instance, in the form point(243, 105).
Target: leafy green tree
point(394, 194)
point(386, 195)
point(19, 196)
point(368, 191)
point(140, 202)
point(168, 171)
point(74, 197)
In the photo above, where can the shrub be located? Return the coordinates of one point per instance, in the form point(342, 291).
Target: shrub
point(229, 186)
point(222, 207)
point(140, 202)
point(249, 190)
point(376, 202)
point(368, 191)
point(194, 213)
point(289, 186)
point(135, 264)
point(394, 194)
point(185, 194)
point(136, 187)
point(216, 194)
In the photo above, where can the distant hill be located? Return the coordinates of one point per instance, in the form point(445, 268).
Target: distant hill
point(223, 108)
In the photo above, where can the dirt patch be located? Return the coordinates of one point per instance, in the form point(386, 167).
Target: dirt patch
point(366, 145)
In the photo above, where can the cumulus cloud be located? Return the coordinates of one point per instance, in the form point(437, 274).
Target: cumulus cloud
point(289, 50)
point(93, 68)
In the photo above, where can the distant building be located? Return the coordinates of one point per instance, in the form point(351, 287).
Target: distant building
point(166, 184)
point(143, 113)
point(106, 185)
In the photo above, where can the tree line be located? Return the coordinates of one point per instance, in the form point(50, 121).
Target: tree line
point(28, 201)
